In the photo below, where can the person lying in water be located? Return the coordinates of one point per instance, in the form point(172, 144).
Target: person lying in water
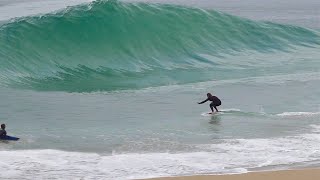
point(215, 102)
point(3, 131)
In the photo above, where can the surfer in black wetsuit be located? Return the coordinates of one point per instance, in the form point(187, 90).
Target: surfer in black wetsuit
point(215, 101)
point(3, 131)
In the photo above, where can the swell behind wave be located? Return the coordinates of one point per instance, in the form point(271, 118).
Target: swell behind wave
point(110, 45)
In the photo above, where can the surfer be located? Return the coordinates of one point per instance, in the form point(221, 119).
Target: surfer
point(3, 132)
point(215, 102)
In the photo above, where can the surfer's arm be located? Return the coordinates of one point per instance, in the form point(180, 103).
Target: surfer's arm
point(203, 101)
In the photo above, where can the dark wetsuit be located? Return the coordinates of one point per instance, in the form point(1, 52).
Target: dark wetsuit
point(215, 102)
point(3, 132)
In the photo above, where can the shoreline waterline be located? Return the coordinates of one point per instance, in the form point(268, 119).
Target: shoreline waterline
point(290, 174)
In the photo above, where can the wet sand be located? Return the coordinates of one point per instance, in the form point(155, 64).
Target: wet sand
point(305, 174)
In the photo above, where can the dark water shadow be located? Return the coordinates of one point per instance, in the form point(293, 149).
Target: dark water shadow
point(4, 141)
point(215, 120)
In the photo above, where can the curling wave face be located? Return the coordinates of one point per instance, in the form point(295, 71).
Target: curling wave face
point(110, 45)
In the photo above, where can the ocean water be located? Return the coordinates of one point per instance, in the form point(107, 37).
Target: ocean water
point(109, 89)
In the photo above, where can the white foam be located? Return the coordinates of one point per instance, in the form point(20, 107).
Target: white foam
point(298, 114)
point(44, 164)
point(230, 110)
point(229, 156)
point(21, 9)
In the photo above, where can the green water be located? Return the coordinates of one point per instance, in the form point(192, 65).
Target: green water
point(109, 45)
point(109, 90)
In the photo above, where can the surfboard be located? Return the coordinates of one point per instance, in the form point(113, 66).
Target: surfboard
point(9, 138)
point(209, 113)
point(222, 111)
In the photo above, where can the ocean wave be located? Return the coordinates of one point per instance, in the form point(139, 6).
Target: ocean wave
point(111, 45)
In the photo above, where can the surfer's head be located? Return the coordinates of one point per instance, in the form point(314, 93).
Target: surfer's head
point(209, 95)
point(3, 126)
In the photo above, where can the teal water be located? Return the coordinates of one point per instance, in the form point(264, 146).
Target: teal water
point(109, 90)
point(109, 46)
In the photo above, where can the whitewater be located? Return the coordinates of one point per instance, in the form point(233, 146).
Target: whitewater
point(109, 89)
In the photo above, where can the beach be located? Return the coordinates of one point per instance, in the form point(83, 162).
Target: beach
point(306, 174)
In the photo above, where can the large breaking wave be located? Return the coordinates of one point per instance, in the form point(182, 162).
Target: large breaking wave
point(111, 45)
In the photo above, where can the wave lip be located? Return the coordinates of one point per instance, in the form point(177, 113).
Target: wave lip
point(111, 45)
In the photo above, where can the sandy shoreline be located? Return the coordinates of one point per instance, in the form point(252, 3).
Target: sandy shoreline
point(303, 174)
